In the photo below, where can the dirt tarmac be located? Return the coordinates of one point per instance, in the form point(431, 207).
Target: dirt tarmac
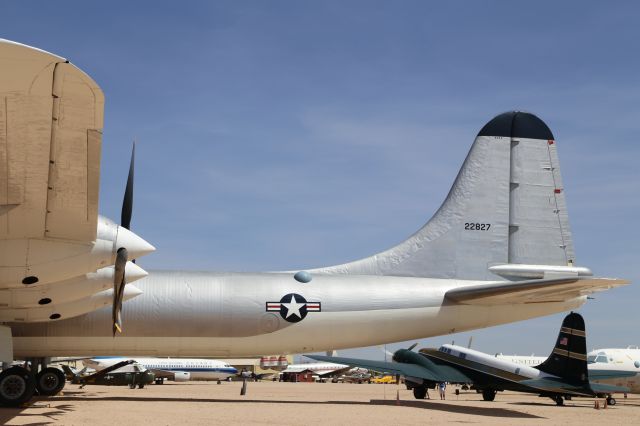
point(303, 404)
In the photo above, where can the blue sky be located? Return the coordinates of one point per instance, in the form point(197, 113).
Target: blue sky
point(288, 135)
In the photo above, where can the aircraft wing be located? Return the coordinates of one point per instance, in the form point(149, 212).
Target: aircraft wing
point(51, 119)
point(530, 291)
point(379, 366)
point(404, 369)
point(108, 370)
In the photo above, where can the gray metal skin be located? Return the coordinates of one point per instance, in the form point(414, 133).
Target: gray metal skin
point(203, 314)
point(506, 209)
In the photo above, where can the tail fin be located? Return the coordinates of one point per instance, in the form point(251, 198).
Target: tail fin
point(569, 357)
point(506, 208)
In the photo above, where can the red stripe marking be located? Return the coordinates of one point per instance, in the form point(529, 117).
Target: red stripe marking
point(551, 142)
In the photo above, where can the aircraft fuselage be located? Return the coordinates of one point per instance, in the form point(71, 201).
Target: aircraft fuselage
point(247, 314)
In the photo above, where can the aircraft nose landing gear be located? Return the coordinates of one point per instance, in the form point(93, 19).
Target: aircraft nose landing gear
point(17, 386)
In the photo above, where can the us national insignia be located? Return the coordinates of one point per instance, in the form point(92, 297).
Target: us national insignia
point(293, 307)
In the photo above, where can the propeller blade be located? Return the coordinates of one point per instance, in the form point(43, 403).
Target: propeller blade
point(127, 202)
point(410, 348)
point(119, 282)
point(384, 349)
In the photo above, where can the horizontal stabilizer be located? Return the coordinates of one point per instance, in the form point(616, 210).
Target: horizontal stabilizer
point(533, 291)
point(555, 385)
point(549, 384)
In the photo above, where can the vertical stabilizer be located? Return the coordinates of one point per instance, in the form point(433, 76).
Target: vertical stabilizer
point(506, 207)
point(569, 357)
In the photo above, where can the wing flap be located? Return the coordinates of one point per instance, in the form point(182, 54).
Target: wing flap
point(51, 118)
point(533, 291)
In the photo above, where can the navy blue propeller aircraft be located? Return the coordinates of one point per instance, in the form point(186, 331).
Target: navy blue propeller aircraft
point(564, 374)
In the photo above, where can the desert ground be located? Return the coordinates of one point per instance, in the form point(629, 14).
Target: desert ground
point(303, 404)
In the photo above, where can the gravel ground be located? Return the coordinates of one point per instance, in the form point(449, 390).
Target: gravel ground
point(303, 404)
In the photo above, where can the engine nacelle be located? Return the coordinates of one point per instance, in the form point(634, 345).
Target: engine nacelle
point(45, 261)
point(181, 376)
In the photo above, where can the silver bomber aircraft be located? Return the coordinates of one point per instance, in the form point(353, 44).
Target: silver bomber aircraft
point(498, 250)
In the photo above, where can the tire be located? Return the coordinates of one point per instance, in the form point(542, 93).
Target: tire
point(50, 381)
point(559, 400)
point(611, 401)
point(140, 385)
point(488, 394)
point(17, 386)
point(132, 385)
point(419, 392)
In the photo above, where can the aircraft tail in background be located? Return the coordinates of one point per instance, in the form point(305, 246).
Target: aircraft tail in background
point(568, 360)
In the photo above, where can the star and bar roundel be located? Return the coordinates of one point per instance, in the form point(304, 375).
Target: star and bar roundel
point(293, 307)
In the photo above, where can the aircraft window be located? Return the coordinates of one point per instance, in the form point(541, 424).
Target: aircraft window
point(591, 359)
point(602, 359)
point(463, 356)
point(637, 364)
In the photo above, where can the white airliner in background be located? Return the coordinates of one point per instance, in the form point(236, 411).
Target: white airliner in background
point(176, 369)
point(329, 369)
point(522, 359)
point(498, 250)
point(618, 367)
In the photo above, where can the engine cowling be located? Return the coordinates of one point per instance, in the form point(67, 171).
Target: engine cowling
point(181, 376)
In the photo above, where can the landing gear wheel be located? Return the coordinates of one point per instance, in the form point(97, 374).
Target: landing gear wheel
point(559, 400)
point(132, 385)
point(159, 381)
point(49, 381)
point(17, 386)
point(140, 385)
point(488, 394)
point(611, 400)
point(420, 392)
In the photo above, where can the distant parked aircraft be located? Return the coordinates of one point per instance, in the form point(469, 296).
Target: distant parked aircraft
point(562, 374)
point(177, 369)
